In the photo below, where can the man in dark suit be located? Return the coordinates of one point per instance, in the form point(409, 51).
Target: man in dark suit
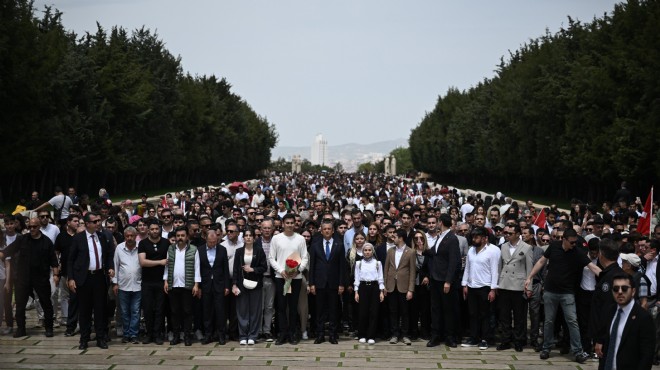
point(444, 269)
point(90, 265)
point(214, 266)
point(327, 279)
point(627, 338)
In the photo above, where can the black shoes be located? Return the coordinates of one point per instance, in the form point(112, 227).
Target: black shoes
point(134, 340)
point(49, 333)
point(280, 340)
point(20, 332)
point(503, 346)
point(434, 342)
point(333, 339)
point(319, 340)
point(159, 341)
point(518, 347)
point(451, 343)
point(125, 340)
point(187, 341)
point(294, 340)
point(206, 340)
point(222, 340)
point(102, 344)
point(544, 355)
point(83, 345)
point(581, 357)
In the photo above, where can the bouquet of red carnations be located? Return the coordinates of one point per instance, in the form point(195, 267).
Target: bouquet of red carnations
point(291, 267)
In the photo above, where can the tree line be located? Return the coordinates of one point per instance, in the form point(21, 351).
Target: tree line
point(569, 114)
point(114, 109)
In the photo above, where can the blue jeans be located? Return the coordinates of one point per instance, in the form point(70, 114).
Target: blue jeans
point(567, 302)
point(129, 304)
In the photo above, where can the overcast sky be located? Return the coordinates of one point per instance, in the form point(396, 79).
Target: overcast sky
point(355, 71)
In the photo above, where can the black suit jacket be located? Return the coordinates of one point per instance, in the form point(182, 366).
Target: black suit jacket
point(259, 264)
point(214, 277)
point(637, 347)
point(445, 265)
point(78, 262)
point(324, 273)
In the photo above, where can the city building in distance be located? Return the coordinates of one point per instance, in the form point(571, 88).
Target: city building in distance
point(319, 151)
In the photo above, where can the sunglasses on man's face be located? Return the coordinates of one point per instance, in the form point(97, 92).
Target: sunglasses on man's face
point(623, 288)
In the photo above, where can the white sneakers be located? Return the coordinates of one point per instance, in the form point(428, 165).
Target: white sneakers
point(250, 342)
point(242, 342)
point(363, 340)
point(371, 341)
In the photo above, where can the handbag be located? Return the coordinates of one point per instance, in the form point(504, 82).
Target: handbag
point(247, 283)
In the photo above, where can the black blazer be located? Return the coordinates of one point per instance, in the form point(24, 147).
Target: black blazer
point(78, 262)
point(445, 265)
point(637, 347)
point(325, 273)
point(259, 264)
point(214, 277)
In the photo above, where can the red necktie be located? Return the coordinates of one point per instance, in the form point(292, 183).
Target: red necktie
point(96, 253)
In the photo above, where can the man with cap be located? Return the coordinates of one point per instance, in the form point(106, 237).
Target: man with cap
point(630, 265)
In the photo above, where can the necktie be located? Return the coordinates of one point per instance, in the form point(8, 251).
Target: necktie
point(609, 360)
point(327, 250)
point(96, 253)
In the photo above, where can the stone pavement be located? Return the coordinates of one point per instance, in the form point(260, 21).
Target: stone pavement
point(38, 352)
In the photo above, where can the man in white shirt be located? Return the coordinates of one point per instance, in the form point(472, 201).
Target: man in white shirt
point(127, 285)
point(282, 246)
point(182, 277)
point(480, 285)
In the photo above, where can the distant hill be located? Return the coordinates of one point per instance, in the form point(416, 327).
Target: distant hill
point(349, 155)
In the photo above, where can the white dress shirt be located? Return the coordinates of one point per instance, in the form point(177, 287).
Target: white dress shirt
point(622, 323)
point(482, 268)
point(92, 255)
point(398, 252)
point(128, 273)
point(650, 273)
point(369, 271)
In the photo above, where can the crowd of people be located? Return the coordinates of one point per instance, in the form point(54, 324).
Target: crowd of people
point(320, 257)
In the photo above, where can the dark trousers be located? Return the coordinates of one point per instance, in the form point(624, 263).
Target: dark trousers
point(443, 310)
point(92, 297)
point(326, 303)
point(384, 318)
point(153, 300)
point(41, 286)
point(583, 309)
point(512, 301)
point(230, 309)
point(9, 309)
point(213, 308)
point(368, 309)
point(181, 301)
point(399, 318)
point(420, 312)
point(479, 309)
point(72, 314)
point(287, 324)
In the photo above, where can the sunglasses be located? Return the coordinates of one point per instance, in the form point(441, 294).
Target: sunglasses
point(94, 221)
point(589, 229)
point(545, 240)
point(166, 216)
point(231, 231)
point(623, 288)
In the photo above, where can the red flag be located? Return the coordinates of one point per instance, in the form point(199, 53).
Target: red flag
point(644, 222)
point(540, 220)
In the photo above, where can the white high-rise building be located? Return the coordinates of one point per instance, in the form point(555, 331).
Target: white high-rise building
point(319, 151)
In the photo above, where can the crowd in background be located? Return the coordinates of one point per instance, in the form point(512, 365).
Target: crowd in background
point(296, 256)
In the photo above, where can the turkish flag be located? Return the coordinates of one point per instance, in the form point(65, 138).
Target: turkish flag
point(644, 222)
point(540, 219)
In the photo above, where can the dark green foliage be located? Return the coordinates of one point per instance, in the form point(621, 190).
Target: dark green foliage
point(569, 114)
point(114, 109)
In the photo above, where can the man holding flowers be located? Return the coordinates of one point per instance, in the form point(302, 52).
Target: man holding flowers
point(290, 246)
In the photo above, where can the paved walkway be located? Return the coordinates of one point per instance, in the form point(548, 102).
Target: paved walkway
point(38, 352)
